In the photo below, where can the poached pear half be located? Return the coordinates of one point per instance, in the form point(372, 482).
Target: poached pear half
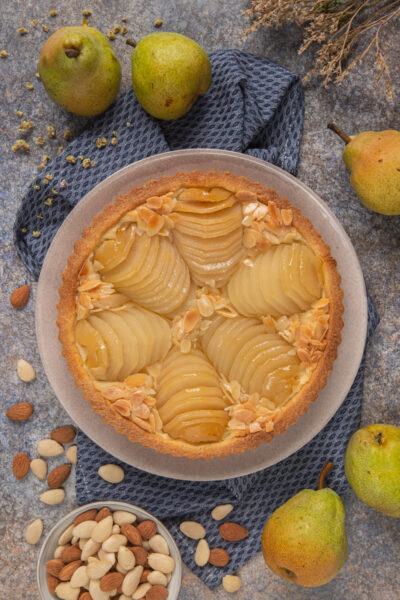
point(79, 70)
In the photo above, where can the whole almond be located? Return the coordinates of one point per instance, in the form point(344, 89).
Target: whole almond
point(88, 515)
point(34, 531)
point(70, 554)
point(159, 544)
point(96, 569)
point(69, 569)
point(102, 530)
point(202, 553)
point(52, 583)
point(231, 583)
point(192, 529)
point(140, 554)
point(218, 557)
point(58, 475)
point(132, 533)
point(157, 592)
point(145, 575)
point(111, 473)
point(103, 513)
point(54, 566)
point(113, 543)
point(72, 454)
point(59, 550)
point(20, 465)
point(25, 371)
point(233, 532)
point(84, 529)
point(111, 581)
point(161, 562)
point(66, 535)
point(89, 549)
point(221, 511)
point(20, 296)
point(141, 591)
point(157, 578)
point(85, 596)
point(49, 447)
point(109, 556)
point(20, 411)
point(131, 581)
point(147, 529)
point(126, 558)
point(64, 435)
point(66, 592)
point(122, 516)
point(80, 578)
point(52, 497)
point(39, 468)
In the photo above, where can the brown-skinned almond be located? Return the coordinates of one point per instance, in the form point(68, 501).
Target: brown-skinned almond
point(20, 411)
point(54, 566)
point(218, 557)
point(103, 513)
point(68, 570)
point(132, 533)
point(52, 583)
point(20, 296)
point(58, 476)
point(85, 596)
point(64, 435)
point(143, 578)
point(71, 553)
point(233, 532)
point(111, 581)
point(157, 592)
point(140, 553)
point(88, 515)
point(21, 464)
point(147, 529)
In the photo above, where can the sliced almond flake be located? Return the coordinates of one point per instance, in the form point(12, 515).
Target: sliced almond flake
point(287, 216)
point(246, 196)
point(123, 407)
point(142, 424)
point(185, 346)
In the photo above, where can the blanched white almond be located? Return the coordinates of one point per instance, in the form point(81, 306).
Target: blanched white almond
point(158, 544)
point(84, 529)
point(66, 592)
point(221, 511)
point(126, 558)
point(80, 577)
point(102, 529)
point(231, 583)
point(113, 543)
point(141, 591)
point(72, 454)
point(121, 569)
point(82, 542)
point(52, 496)
point(66, 536)
point(49, 447)
point(34, 531)
point(111, 473)
point(90, 548)
point(39, 468)
point(116, 529)
point(97, 568)
point(59, 550)
point(122, 516)
point(161, 562)
point(96, 592)
point(25, 371)
point(193, 530)
point(157, 578)
point(202, 553)
point(107, 556)
point(146, 545)
point(75, 539)
point(131, 581)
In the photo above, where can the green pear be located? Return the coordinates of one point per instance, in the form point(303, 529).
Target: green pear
point(372, 467)
point(79, 70)
point(305, 540)
point(373, 159)
point(169, 72)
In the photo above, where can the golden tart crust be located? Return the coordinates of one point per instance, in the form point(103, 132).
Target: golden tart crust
point(281, 418)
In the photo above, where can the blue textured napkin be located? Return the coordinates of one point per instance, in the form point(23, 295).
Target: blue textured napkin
point(254, 496)
point(253, 106)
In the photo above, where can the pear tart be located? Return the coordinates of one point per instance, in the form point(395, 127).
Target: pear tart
point(200, 314)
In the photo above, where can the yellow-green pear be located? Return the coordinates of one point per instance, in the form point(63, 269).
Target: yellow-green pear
point(372, 467)
point(305, 539)
point(373, 159)
point(169, 72)
point(79, 70)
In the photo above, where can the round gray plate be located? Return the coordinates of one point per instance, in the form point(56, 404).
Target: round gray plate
point(350, 350)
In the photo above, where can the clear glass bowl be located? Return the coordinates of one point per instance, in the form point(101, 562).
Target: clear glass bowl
point(51, 542)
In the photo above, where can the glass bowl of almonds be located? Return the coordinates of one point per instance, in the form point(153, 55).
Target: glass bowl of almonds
point(109, 550)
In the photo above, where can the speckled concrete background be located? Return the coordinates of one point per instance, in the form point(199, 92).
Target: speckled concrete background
point(372, 569)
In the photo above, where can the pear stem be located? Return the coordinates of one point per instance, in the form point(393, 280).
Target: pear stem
point(339, 132)
point(131, 43)
point(85, 22)
point(321, 482)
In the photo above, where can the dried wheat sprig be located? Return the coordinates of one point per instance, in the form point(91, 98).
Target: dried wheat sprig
point(335, 26)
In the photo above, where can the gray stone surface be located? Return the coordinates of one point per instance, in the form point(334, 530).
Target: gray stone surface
point(372, 568)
